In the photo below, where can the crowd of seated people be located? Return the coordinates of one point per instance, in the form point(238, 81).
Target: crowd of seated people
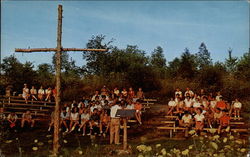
point(40, 94)
point(200, 109)
point(94, 112)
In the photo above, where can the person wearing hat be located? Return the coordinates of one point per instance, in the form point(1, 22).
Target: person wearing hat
point(25, 94)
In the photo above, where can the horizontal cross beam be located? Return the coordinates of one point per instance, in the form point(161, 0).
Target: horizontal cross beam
point(55, 49)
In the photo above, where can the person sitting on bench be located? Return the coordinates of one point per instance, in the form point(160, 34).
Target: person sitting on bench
point(41, 93)
point(199, 120)
point(84, 120)
point(27, 117)
point(33, 93)
point(186, 121)
point(224, 121)
point(94, 121)
point(64, 117)
point(74, 119)
point(171, 106)
point(48, 93)
point(25, 94)
point(105, 121)
point(12, 118)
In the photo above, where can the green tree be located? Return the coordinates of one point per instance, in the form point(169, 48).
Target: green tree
point(203, 56)
point(243, 67)
point(157, 58)
point(231, 62)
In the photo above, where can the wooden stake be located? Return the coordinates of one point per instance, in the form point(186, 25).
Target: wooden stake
point(125, 143)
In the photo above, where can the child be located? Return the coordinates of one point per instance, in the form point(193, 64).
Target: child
point(138, 107)
point(12, 118)
point(33, 93)
point(171, 106)
point(140, 94)
point(224, 121)
point(26, 117)
point(237, 107)
point(48, 93)
point(199, 120)
point(105, 121)
point(94, 120)
point(84, 120)
point(186, 121)
point(188, 103)
point(74, 119)
point(221, 104)
point(41, 93)
point(25, 94)
point(64, 117)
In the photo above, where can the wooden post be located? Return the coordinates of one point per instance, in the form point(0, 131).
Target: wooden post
point(125, 143)
point(58, 83)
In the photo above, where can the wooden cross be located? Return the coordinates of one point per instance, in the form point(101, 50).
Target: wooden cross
point(59, 49)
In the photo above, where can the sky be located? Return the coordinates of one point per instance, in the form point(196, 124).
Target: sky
point(172, 25)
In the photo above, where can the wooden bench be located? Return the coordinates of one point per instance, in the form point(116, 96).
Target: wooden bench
point(132, 121)
point(21, 113)
point(231, 130)
point(29, 101)
point(171, 129)
point(22, 104)
point(171, 117)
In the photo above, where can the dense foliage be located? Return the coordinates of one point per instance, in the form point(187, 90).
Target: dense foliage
point(132, 67)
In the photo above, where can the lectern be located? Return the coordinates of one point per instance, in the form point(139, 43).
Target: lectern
point(125, 114)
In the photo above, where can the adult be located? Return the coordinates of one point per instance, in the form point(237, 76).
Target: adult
point(25, 94)
point(114, 124)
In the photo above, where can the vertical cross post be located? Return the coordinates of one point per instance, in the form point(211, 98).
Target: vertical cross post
point(58, 82)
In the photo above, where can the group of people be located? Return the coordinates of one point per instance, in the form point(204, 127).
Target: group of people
point(11, 119)
point(200, 109)
point(40, 94)
point(98, 113)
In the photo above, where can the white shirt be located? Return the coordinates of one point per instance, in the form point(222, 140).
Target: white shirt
point(171, 103)
point(40, 91)
point(113, 110)
point(178, 92)
point(217, 98)
point(237, 105)
point(197, 104)
point(130, 106)
point(74, 116)
point(188, 103)
point(189, 92)
point(186, 119)
point(85, 116)
point(199, 117)
point(33, 91)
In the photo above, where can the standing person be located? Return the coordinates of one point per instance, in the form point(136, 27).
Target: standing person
point(178, 93)
point(114, 124)
point(33, 93)
point(25, 94)
point(237, 107)
point(27, 117)
point(41, 93)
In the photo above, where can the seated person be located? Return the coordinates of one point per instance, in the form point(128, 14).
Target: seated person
point(27, 117)
point(188, 103)
point(94, 120)
point(199, 120)
point(236, 108)
point(51, 120)
point(33, 93)
point(64, 117)
point(74, 119)
point(189, 93)
point(12, 118)
point(178, 93)
point(171, 106)
point(186, 121)
point(48, 93)
point(218, 96)
point(2, 116)
point(105, 121)
point(138, 108)
point(217, 114)
point(196, 103)
point(25, 94)
point(224, 121)
point(213, 103)
point(41, 93)
point(140, 94)
point(84, 120)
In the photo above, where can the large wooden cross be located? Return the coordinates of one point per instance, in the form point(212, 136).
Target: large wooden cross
point(59, 49)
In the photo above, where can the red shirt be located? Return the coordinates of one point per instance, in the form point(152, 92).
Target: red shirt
point(224, 120)
point(221, 104)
